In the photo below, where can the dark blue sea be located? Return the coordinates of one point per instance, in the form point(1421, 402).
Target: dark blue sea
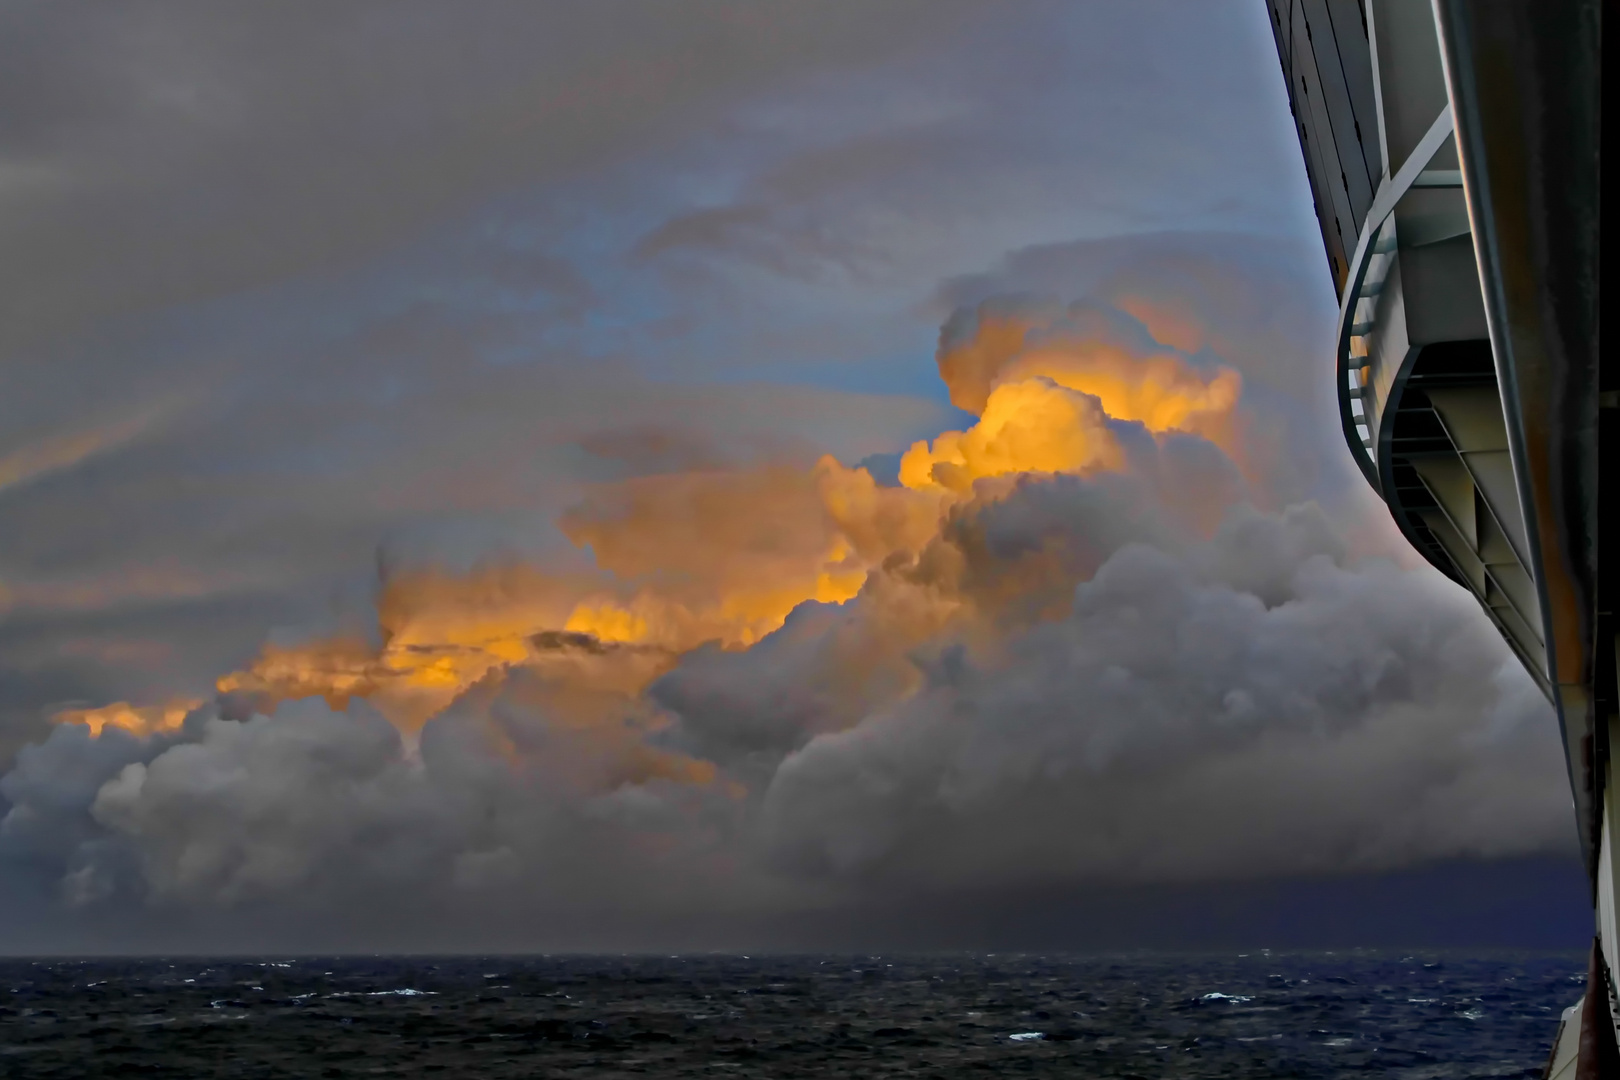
point(1297, 1014)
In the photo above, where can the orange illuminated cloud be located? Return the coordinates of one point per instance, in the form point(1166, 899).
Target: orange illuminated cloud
point(440, 634)
point(724, 555)
point(1034, 425)
point(136, 719)
point(1158, 388)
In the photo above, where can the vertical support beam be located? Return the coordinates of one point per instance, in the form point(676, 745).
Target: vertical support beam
point(1524, 79)
point(1597, 1058)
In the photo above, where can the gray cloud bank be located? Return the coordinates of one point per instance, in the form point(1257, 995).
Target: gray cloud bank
point(1242, 706)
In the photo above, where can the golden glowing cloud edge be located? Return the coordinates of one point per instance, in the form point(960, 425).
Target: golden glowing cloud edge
point(141, 720)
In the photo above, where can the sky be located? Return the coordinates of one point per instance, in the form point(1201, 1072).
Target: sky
point(719, 475)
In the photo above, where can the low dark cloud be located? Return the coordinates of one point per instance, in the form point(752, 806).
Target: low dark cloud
point(1246, 706)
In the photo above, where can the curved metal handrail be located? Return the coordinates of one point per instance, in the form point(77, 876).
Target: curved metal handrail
point(1389, 193)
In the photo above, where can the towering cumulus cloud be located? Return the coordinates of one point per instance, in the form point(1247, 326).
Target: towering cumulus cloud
point(1078, 642)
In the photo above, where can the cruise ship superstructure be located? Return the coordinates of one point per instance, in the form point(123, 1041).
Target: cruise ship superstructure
point(1452, 150)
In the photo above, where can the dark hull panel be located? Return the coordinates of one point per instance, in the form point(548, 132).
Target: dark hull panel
point(1453, 153)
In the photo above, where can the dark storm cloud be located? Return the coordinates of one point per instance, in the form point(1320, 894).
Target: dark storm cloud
point(1246, 706)
point(300, 294)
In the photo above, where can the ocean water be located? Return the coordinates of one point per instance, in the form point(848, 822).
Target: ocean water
point(1263, 1014)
